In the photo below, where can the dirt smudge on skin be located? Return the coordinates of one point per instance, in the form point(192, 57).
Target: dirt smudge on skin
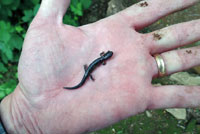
point(188, 90)
point(157, 36)
point(188, 51)
point(143, 4)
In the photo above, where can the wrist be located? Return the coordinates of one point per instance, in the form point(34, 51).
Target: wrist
point(16, 115)
point(5, 113)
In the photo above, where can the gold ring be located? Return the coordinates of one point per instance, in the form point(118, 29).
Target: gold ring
point(161, 65)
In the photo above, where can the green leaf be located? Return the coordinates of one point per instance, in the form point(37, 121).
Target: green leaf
point(9, 54)
point(35, 2)
point(1, 45)
point(3, 69)
point(9, 86)
point(77, 10)
point(15, 4)
point(8, 91)
point(2, 24)
point(28, 16)
point(1, 76)
point(2, 95)
point(36, 8)
point(15, 42)
point(6, 2)
point(5, 36)
point(86, 3)
point(68, 20)
point(5, 25)
point(6, 51)
point(4, 58)
point(9, 12)
point(19, 28)
point(16, 75)
point(74, 2)
point(75, 18)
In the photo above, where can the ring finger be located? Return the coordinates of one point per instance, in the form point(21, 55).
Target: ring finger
point(182, 59)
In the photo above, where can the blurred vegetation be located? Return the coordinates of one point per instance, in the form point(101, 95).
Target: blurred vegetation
point(15, 17)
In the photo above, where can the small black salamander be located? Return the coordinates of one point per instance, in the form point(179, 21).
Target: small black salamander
point(91, 67)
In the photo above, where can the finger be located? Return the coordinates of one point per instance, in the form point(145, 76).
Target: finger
point(174, 97)
point(178, 60)
point(174, 36)
point(146, 12)
point(53, 9)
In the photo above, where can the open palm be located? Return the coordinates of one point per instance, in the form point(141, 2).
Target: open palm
point(54, 54)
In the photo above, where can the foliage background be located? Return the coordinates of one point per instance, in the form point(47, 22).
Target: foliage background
point(15, 17)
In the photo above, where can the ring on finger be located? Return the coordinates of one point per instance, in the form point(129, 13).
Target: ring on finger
point(161, 65)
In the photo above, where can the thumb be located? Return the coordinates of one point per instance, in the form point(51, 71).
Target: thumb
point(53, 9)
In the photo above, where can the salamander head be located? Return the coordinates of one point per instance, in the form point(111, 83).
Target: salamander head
point(107, 55)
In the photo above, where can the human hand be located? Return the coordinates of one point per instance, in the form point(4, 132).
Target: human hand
point(54, 54)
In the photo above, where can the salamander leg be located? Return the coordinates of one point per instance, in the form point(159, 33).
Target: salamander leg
point(91, 77)
point(101, 54)
point(85, 67)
